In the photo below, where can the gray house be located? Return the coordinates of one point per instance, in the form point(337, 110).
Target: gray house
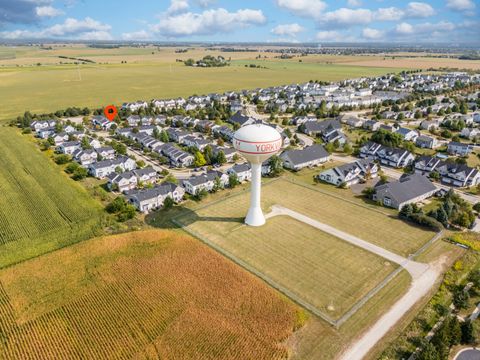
point(408, 190)
point(308, 157)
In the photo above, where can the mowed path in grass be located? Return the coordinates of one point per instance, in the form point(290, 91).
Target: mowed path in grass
point(322, 270)
point(151, 294)
point(40, 208)
point(49, 88)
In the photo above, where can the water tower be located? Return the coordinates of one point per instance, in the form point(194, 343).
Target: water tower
point(256, 143)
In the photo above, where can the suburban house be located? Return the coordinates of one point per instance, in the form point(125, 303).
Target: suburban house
point(408, 190)
point(451, 173)
point(242, 120)
point(429, 125)
point(107, 153)
point(397, 158)
point(146, 175)
point(104, 168)
point(40, 125)
point(407, 134)
point(459, 175)
point(350, 174)
point(470, 133)
point(371, 125)
point(85, 157)
point(122, 182)
point(102, 122)
point(149, 199)
point(177, 157)
point(243, 172)
point(424, 165)
point(195, 184)
point(229, 152)
point(60, 138)
point(393, 157)
point(319, 128)
point(309, 156)
point(459, 149)
point(426, 142)
point(69, 147)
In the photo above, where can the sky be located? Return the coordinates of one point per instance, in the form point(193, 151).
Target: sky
point(319, 21)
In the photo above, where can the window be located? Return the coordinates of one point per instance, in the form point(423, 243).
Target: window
point(387, 201)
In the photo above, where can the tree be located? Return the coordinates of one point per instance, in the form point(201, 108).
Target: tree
point(429, 352)
point(128, 213)
point(455, 330)
point(347, 148)
point(460, 298)
point(141, 164)
point(168, 203)
point(164, 136)
point(70, 169)
point(442, 216)
point(85, 144)
point(406, 211)
point(62, 159)
point(80, 173)
point(220, 142)
point(208, 154)
point(387, 138)
point(468, 333)
point(233, 180)
point(476, 207)
point(199, 159)
point(276, 165)
point(221, 158)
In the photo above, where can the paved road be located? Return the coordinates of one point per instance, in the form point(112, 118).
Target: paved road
point(423, 279)
point(468, 354)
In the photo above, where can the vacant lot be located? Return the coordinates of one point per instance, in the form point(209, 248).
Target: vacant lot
point(40, 208)
point(320, 269)
point(154, 294)
point(369, 224)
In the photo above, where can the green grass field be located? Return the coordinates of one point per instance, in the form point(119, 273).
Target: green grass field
point(320, 269)
point(51, 87)
point(41, 209)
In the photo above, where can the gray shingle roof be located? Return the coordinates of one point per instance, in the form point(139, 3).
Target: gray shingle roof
point(307, 154)
point(407, 188)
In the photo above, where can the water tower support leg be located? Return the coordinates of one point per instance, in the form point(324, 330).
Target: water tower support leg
point(255, 215)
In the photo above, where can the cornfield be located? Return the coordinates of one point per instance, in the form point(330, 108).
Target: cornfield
point(40, 208)
point(143, 295)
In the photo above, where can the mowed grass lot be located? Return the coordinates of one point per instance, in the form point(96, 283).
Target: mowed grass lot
point(47, 88)
point(324, 271)
point(153, 294)
point(40, 208)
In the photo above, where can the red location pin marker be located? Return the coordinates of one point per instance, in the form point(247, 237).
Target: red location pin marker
point(110, 112)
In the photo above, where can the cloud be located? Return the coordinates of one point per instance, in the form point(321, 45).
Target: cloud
point(354, 3)
point(208, 22)
point(137, 35)
point(329, 36)
point(48, 11)
point(424, 28)
point(177, 6)
point(206, 3)
point(404, 28)
point(347, 17)
point(389, 14)
point(304, 8)
point(461, 5)
point(21, 11)
point(372, 34)
point(288, 30)
point(420, 10)
point(86, 29)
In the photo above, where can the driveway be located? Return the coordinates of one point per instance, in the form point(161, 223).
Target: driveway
point(468, 354)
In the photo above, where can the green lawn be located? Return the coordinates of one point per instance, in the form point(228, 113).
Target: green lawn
point(41, 209)
point(326, 272)
point(48, 88)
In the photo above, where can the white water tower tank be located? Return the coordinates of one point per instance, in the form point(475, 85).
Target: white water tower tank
point(256, 143)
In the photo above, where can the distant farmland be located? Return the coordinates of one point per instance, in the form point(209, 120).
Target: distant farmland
point(153, 294)
point(40, 208)
point(148, 73)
